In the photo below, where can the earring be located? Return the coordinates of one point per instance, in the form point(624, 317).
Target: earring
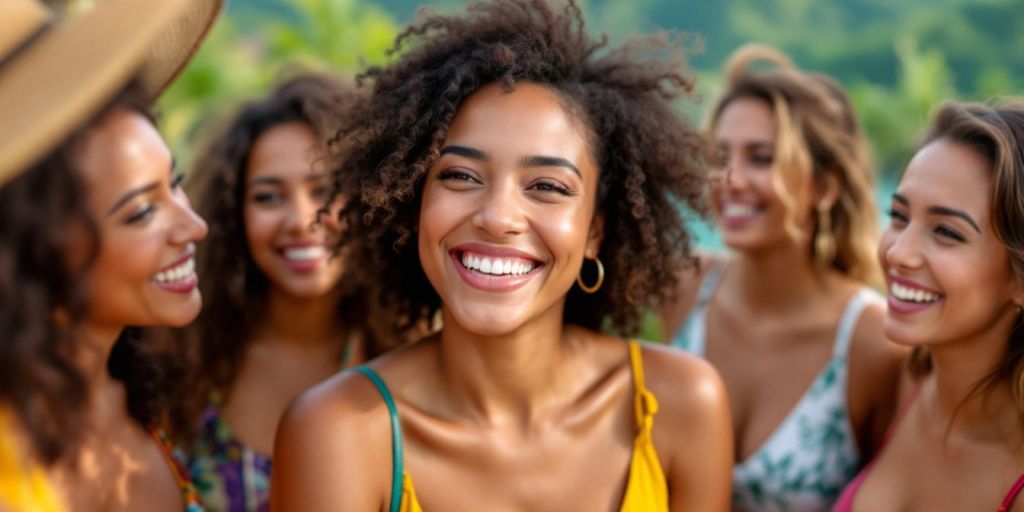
point(824, 239)
point(600, 277)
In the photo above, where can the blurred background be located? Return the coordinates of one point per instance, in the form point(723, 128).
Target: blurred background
point(898, 59)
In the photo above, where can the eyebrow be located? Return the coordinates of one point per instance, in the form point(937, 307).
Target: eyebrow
point(131, 194)
point(942, 210)
point(526, 161)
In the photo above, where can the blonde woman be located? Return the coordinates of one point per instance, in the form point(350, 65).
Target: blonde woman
point(789, 318)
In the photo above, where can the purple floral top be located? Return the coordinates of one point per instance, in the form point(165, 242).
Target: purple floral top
point(228, 475)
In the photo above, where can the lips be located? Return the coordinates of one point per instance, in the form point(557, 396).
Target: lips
point(493, 268)
point(735, 214)
point(303, 257)
point(179, 276)
point(908, 297)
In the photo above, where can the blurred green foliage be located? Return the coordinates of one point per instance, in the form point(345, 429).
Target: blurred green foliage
point(257, 42)
point(899, 60)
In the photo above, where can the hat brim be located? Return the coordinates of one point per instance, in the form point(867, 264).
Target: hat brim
point(78, 65)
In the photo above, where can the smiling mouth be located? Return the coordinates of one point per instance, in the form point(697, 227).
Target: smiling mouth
point(495, 266)
point(739, 211)
point(913, 295)
point(179, 273)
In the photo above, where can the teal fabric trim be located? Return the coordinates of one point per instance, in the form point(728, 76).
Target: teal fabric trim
point(397, 470)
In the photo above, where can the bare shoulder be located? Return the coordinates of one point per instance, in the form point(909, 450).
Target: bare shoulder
point(332, 448)
point(682, 382)
point(689, 280)
point(692, 428)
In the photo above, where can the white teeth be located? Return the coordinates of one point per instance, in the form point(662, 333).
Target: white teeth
point(305, 253)
point(495, 266)
point(177, 273)
point(738, 210)
point(907, 294)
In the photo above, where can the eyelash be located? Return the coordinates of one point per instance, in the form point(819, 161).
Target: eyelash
point(543, 186)
point(940, 230)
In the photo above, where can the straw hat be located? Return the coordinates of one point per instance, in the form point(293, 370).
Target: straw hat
point(57, 73)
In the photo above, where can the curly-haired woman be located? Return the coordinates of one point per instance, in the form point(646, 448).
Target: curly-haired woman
point(278, 319)
point(95, 235)
point(524, 181)
point(789, 319)
point(953, 256)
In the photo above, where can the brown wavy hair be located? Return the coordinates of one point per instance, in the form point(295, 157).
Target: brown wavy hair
point(997, 134)
point(46, 300)
point(235, 289)
point(819, 138)
point(652, 163)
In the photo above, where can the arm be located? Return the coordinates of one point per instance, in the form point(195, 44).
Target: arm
point(692, 430)
point(875, 364)
point(332, 450)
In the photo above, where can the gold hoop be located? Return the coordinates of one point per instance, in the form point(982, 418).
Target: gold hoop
point(824, 239)
point(600, 277)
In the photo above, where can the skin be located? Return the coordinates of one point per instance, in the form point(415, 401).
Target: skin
point(299, 342)
point(145, 224)
point(520, 410)
point(772, 305)
point(945, 435)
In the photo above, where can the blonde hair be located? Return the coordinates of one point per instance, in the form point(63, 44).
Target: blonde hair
point(819, 138)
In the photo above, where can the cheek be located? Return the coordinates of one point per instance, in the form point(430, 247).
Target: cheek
point(260, 227)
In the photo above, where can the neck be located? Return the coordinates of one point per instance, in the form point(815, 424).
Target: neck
point(106, 401)
point(782, 278)
point(300, 321)
point(957, 369)
point(510, 378)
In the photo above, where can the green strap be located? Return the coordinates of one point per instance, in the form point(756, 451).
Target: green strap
point(397, 470)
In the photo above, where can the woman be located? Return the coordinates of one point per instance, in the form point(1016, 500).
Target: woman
point(279, 319)
point(497, 163)
point(96, 236)
point(792, 305)
point(953, 257)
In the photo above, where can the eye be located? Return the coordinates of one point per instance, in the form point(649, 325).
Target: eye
point(176, 180)
point(266, 197)
point(949, 233)
point(321, 192)
point(456, 175)
point(552, 186)
point(896, 218)
point(762, 160)
point(142, 214)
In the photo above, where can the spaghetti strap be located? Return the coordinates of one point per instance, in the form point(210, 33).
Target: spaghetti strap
point(397, 470)
point(644, 403)
point(1012, 495)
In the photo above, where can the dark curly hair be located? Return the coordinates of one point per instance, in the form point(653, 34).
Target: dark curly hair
point(652, 163)
point(45, 300)
point(234, 289)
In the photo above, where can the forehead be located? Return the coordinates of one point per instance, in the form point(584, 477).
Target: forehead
point(949, 174)
point(122, 151)
point(283, 149)
point(746, 119)
point(531, 119)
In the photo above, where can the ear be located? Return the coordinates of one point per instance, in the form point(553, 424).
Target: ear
point(595, 236)
point(826, 192)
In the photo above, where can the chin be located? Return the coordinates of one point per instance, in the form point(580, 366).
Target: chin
point(489, 323)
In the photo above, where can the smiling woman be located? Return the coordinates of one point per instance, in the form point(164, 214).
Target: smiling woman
point(95, 235)
point(953, 256)
point(527, 190)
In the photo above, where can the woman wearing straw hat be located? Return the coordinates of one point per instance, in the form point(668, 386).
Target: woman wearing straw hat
point(95, 235)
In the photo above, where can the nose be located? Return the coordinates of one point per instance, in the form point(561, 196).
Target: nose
point(735, 174)
point(501, 212)
point(301, 214)
point(188, 225)
point(900, 249)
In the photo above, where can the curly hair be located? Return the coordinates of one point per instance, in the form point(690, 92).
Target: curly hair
point(652, 163)
point(819, 138)
point(233, 287)
point(997, 134)
point(46, 299)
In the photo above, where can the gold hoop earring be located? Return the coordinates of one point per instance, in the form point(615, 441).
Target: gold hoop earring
point(600, 278)
point(824, 239)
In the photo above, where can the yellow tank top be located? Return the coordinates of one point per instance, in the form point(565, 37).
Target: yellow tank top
point(23, 485)
point(646, 490)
